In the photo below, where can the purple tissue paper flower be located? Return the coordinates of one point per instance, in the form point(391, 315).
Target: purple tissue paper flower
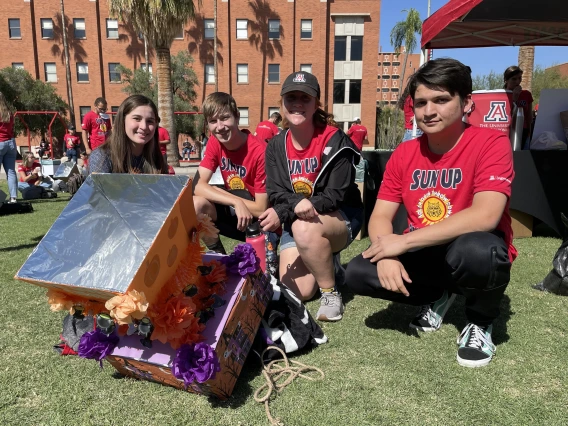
point(243, 260)
point(195, 363)
point(97, 345)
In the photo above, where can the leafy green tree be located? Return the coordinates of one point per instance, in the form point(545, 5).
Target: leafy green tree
point(160, 21)
point(28, 94)
point(491, 81)
point(390, 127)
point(183, 81)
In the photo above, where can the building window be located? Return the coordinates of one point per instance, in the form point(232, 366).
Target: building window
point(179, 36)
point(148, 69)
point(83, 110)
point(274, 73)
point(114, 110)
point(242, 29)
point(379, 64)
point(306, 68)
point(242, 73)
point(306, 28)
point(112, 28)
point(272, 110)
point(82, 72)
point(244, 113)
point(394, 89)
point(18, 65)
point(14, 28)
point(354, 91)
point(378, 77)
point(209, 73)
point(46, 27)
point(356, 48)
point(274, 28)
point(339, 91)
point(386, 77)
point(209, 31)
point(113, 73)
point(395, 77)
point(396, 64)
point(386, 64)
point(50, 72)
point(340, 49)
point(385, 89)
point(79, 28)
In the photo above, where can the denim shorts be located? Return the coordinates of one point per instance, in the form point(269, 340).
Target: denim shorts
point(352, 216)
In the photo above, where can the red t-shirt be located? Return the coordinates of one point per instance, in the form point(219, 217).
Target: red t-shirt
point(163, 135)
point(7, 129)
point(304, 165)
point(71, 141)
point(432, 187)
point(408, 113)
point(358, 134)
point(525, 101)
point(28, 171)
point(241, 169)
point(266, 130)
point(97, 128)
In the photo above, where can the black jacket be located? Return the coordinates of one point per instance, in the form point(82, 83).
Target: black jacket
point(334, 186)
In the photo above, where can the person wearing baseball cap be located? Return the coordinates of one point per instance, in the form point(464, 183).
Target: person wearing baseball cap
point(72, 143)
point(310, 181)
point(358, 133)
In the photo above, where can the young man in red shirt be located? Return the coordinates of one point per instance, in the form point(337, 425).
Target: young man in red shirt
point(240, 157)
point(357, 133)
point(455, 183)
point(267, 129)
point(164, 139)
point(96, 126)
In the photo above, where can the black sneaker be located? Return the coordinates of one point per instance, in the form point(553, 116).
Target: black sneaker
point(476, 349)
point(431, 316)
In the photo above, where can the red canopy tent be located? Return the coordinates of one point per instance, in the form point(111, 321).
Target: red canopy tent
point(489, 23)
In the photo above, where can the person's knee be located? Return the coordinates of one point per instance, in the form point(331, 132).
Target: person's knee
point(203, 205)
point(306, 232)
point(479, 260)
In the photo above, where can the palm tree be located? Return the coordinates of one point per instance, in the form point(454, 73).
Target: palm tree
point(67, 66)
point(160, 22)
point(404, 34)
point(526, 63)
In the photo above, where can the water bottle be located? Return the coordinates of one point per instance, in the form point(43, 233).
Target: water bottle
point(517, 139)
point(255, 237)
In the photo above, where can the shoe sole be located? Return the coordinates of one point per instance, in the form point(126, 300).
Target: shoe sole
point(333, 319)
point(473, 364)
point(430, 329)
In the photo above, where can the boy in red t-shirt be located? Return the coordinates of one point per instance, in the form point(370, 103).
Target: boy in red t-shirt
point(96, 126)
point(240, 158)
point(266, 130)
point(72, 143)
point(455, 183)
point(357, 133)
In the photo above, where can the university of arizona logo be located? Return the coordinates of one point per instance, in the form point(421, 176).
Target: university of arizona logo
point(300, 78)
point(497, 113)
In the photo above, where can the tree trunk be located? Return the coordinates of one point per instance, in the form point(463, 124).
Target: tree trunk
point(526, 63)
point(396, 109)
point(67, 66)
point(215, 45)
point(166, 102)
point(146, 54)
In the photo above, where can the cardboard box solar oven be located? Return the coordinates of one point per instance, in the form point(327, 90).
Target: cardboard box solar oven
point(125, 232)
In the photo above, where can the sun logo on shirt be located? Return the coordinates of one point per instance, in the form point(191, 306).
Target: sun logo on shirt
point(235, 182)
point(303, 186)
point(433, 207)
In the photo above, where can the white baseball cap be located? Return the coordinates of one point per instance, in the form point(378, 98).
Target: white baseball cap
point(356, 118)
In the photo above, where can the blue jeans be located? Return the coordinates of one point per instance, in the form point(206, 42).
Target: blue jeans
point(32, 192)
point(408, 134)
point(184, 152)
point(71, 154)
point(8, 154)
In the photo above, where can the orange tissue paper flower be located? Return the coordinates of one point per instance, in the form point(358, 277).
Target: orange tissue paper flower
point(219, 272)
point(185, 274)
point(172, 317)
point(192, 335)
point(60, 301)
point(127, 307)
point(205, 227)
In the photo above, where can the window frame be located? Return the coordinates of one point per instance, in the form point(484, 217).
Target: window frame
point(11, 28)
point(181, 35)
point(77, 65)
point(242, 29)
point(143, 66)
point(273, 72)
point(241, 116)
point(47, 74)
point(306, 65)
point(18, 65)
point(274, 36)
point(211, 29)
point(272, 110)
point(75, 21)
point(44, 29)
point(81, 113)
point(113, 71)
point(311, 31)
point(209, 74)
point(240, 74)
point(108, 29)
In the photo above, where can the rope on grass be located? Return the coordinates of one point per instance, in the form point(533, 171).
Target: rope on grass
point(274, 373)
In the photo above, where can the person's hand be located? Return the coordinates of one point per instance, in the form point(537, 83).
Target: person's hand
point(516, 92)
point(392, 275)
point(269, 220)
point(386, 246)
point(88, 150)
point(244, 215)
point(305, 210)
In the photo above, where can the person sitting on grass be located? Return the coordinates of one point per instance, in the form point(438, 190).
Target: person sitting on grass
point(311, 186)
point(31, 184)
point(455, 183)
point(240, 157)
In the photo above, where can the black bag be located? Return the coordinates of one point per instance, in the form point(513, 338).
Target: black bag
point(74, 183)
point(13, 208)
point(557, 279)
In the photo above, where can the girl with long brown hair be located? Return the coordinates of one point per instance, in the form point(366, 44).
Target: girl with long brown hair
point(8, 150)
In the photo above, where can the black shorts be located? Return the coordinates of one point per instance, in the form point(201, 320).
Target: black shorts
point(227, 220)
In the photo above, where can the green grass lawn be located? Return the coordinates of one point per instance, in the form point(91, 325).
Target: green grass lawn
point(377, 370)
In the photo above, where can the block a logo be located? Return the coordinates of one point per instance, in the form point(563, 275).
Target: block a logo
point(497, 113)
point(300, 78)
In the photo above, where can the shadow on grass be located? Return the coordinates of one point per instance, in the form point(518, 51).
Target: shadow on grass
point(397, 316)
point(50, 200)
point(23, 246)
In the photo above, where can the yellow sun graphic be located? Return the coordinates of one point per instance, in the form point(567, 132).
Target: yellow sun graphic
point(433, 207)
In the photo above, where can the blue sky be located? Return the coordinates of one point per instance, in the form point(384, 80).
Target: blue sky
point(482, 60)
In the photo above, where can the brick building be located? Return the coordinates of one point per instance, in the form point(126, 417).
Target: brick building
point(259, 44)
point(389, 75)
point(562, 69)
